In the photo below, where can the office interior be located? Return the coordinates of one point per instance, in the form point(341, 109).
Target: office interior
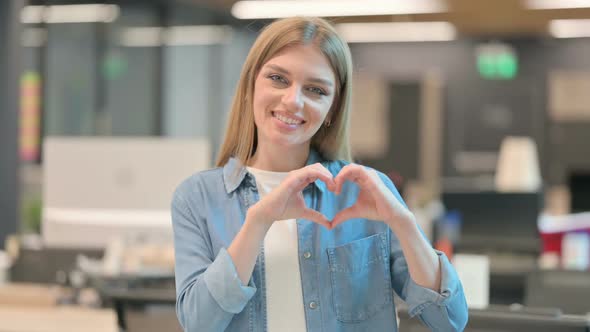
point(477, 110)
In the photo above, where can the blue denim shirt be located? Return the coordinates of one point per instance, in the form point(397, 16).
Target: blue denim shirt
point(348, 274)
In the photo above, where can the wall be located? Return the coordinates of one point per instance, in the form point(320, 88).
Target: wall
point(478, 112)
point(9, 107)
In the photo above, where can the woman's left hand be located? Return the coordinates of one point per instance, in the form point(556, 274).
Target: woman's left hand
point(375, 201)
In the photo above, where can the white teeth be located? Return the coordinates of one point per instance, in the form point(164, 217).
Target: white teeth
point(287, 120)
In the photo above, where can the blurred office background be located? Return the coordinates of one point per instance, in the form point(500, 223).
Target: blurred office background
point(479, 111)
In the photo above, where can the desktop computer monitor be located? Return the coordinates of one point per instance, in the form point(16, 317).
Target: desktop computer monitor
point(97, 188)
point(567, 290)
point(579, 185)
point(497, 221)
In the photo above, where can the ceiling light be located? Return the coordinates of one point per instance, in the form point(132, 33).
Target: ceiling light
point(396, 32)
point(175, 36)
point(198, 35)
point(554, 4)
point(141, 37)
point(32, 14)
point(261, 9)
point(570, 28)
point(89, 13)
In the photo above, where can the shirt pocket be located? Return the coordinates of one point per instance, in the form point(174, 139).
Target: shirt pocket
point(360, 278)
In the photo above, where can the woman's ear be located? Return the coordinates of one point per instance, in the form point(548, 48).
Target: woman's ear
point(328, 118)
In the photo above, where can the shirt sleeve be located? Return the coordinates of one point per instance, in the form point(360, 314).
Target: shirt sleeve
point(208, 290)
point(445, 310)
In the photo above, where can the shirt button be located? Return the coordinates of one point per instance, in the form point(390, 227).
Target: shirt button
point(307, 255)
point(313, 305)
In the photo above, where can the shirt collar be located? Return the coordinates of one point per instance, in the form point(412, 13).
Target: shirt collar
point(234, 172)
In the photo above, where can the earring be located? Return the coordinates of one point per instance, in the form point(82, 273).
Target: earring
point(328, 123)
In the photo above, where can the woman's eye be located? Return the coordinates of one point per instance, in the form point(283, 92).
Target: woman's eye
point(317, 91)
point(277, 78)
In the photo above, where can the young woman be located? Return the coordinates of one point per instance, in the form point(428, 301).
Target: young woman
point(288, 235)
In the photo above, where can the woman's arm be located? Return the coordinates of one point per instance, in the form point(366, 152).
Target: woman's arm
point(284, 202)
point(422, 260)
point(208, 290)
point(422, 277)
point(442, 308)
point(377, 201)
point(245, 247)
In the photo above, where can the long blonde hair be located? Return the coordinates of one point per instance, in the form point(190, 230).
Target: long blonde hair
point(331, 141)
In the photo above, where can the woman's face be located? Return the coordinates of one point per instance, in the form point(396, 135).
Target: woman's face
point(293, 94)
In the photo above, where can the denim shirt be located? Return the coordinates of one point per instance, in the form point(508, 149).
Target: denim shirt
point(348, 274)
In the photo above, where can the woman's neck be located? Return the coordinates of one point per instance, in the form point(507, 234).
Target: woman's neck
point(279, 159)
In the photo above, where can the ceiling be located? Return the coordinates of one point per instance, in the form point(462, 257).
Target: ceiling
point(470, 17)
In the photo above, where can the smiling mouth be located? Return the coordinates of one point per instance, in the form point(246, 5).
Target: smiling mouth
point(287, 120)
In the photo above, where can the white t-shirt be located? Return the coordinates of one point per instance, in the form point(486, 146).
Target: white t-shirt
point(284, 295)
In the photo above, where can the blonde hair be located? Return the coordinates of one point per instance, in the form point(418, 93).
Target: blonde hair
point(331, 141)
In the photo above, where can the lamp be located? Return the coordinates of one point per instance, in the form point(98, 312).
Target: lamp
point(518, 166)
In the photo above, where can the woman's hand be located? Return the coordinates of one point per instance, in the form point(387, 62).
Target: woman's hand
point(375, 201)
point(286, 201)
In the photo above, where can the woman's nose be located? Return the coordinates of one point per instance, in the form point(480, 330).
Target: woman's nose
point(293, 98)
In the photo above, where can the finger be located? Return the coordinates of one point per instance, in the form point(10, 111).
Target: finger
point(349, 172)
point(299, 181)
point(309, 175)
point(375, 176)
point(330, 184)
point(303, 181)
point(344, 215)
point(357, 174)
point(326, 177)
point(315, 216)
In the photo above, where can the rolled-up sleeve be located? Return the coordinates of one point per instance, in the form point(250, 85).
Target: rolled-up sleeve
point(225, 286)
point(208, 290)
point(442, 311)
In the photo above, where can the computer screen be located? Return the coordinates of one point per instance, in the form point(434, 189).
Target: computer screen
point(497, 221)
point(95, 188)
point(579, 185)
point(567, 290)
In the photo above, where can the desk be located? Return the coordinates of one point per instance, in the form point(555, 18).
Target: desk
point(56, 319)
point(29, 307)
point(29, 295)
point(145, 309)
point(508, 273)
point(568, 290)
point(503, 319)
point(146, 304)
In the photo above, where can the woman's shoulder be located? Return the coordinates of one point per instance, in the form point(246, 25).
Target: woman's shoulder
point(199, 181)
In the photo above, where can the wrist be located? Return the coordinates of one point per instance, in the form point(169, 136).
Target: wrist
point(256, 223)
point(403, 224)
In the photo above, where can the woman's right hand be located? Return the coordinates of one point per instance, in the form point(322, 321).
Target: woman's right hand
point(286, 201)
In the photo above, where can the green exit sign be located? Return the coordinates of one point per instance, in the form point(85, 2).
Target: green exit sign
point(497, 61)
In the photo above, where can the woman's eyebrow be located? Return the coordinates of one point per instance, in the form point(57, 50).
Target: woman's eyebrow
point(313, 79)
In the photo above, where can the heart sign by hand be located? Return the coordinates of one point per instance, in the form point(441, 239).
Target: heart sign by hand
point(286, 201)
point(374, 202)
